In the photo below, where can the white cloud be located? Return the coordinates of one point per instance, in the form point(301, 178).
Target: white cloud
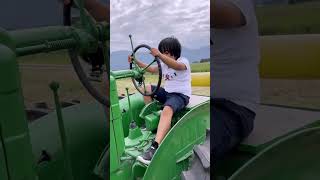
point(150, 21)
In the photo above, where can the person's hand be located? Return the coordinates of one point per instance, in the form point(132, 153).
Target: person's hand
point(130, 58)
point(66, 2)
point(155, 52)
point(97, 9)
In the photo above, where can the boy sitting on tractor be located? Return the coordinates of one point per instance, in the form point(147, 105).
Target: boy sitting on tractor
point(176, 92)
point(235, 58)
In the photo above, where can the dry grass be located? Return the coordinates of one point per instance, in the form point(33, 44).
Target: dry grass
point(299, 93)
point(123, 83)
point(35, 85)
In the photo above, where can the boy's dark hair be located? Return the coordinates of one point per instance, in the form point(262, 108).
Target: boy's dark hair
point(172, 45)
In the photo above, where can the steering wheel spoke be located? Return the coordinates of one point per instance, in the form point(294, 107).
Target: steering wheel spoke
point(145, 69)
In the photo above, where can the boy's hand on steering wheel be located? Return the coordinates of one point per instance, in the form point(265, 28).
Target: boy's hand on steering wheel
point(130, 58)
point(155, 52)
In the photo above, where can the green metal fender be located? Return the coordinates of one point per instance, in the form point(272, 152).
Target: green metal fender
point(86, 131)
point(172, 156)
point(295, 157)
point(137, 104)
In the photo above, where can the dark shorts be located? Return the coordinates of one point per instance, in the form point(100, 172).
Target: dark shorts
point(230, 124)
point(176, 101)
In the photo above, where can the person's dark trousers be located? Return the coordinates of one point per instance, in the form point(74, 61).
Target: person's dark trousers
point(230, 124)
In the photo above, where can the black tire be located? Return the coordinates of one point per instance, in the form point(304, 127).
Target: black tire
point(200, 165)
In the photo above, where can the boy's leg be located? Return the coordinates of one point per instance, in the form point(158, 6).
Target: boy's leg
point(147, 99)
point(225, 132)
point(174, 103)
point(230, 124)
point(161, 95)
point(164, 124)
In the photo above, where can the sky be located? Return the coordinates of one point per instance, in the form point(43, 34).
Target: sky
point(150, 21)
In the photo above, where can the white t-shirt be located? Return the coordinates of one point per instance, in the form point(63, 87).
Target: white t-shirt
point(175, 80)
point(235, 56)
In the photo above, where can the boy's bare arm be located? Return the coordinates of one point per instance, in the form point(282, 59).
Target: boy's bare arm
point(224, 15)
point(172, 63)
point(98, 10)
point(151, 69)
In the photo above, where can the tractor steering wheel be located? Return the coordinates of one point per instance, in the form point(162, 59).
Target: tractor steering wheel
point(97, 59)
point(139, 82)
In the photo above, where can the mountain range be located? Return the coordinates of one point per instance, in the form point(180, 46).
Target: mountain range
point(119, 59)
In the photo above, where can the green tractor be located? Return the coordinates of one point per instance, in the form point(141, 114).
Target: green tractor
point(66, 144)
point(185, 151)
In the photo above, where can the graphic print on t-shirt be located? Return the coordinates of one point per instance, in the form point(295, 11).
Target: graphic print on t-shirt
point(169, 75)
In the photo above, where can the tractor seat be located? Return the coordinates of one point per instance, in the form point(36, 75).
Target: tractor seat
point(196, 100)
point(277, 121)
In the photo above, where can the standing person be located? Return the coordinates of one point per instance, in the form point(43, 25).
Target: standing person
point(176, 92)
point(235, 85)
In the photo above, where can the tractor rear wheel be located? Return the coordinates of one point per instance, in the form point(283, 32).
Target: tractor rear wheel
point(200, 165)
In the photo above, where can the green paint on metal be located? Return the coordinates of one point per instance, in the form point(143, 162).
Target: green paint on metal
point(151, 115)
point(87, 140)
point(68, 169)
point(116, 130)
point(137, 104)
point(34, 151)
point(172, 152)
point(3, 164)
point(102, 167)
point(152, 120)
point(124, 74)
point(293, 157)
point(34, 36)
point(6, 39)
point(135, 145)
point(49, 39)
point(130, 110)
point(134, 133)
point(14, 129)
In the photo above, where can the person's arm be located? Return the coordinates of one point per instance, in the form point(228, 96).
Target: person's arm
point(225, 14)
point(151, 69)
point(172, 63)
point(98, 10)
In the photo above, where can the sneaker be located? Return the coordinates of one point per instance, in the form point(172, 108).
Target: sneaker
point(146, 157)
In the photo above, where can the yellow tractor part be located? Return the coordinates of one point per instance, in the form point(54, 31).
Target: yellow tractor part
point(200, 79)
point(290, 56)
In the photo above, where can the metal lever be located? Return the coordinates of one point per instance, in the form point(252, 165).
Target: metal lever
point(130, 110)
point(54, 87)
point(130, 36)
